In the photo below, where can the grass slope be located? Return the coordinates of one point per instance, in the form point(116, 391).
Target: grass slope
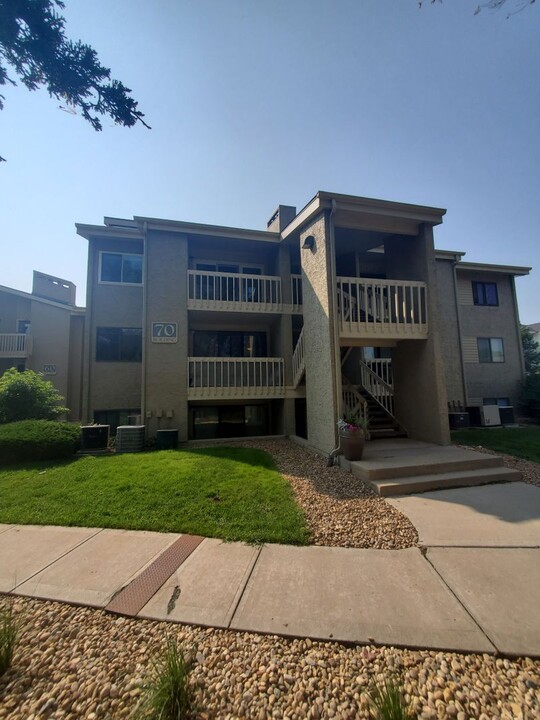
point(230, 493)
point(521, 442)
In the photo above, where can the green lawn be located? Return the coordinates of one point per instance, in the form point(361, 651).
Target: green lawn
point(230, 493)
point(521, 442)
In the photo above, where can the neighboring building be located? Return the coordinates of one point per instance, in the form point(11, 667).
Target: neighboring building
point(43, 331)
point(344, 306)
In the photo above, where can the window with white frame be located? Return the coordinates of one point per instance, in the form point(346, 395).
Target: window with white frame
point(490, 350)
point(120, 268)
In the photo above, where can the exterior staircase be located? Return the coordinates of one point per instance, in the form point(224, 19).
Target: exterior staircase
point(403, 467)
point(381, 424)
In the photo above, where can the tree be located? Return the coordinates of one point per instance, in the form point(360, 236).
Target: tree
point(26, 396)
point(514, 6)
point(33, 43)
point(531, 350)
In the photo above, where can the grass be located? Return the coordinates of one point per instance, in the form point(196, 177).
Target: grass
point(166, 694)
point(229, 493)
point(386, 703)
point(8, 637)
point(520, 442)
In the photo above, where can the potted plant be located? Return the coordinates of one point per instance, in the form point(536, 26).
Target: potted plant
point(352, 435)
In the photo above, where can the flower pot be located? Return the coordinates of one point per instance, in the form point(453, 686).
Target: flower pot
point(352, 443)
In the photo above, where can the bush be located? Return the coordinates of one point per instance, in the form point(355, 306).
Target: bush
point(530, 396)
point(27, 396)
point(37, 440)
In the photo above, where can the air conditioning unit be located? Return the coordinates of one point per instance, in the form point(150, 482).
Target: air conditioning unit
point(489, 415)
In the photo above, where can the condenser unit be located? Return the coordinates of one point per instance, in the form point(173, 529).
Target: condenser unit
point(489, 415)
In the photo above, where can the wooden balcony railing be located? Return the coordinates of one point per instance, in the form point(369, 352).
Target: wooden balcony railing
point(391, 309)
point(211, 378)
point(15, 345)
point(233, 291)
point(296, 292)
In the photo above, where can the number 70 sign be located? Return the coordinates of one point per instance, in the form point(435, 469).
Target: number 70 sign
point(164, 332)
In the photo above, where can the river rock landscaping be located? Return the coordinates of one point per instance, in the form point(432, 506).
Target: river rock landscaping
point(74, 663)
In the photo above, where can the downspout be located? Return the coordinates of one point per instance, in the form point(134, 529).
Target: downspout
point(462, 362)
point(144, 316)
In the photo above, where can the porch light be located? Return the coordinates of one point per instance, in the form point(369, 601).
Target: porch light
point(309, 243)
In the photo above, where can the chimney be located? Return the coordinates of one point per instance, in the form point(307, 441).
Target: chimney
point(281, 218)
point(53, 288)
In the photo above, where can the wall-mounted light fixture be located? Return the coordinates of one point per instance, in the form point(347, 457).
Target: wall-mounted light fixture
point(309, 243)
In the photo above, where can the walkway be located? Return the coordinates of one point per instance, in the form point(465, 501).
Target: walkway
point(473, 585)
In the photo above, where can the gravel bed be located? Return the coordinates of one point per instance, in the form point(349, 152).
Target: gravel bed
point(529, 469)
point(340, 509)
point(75, 663)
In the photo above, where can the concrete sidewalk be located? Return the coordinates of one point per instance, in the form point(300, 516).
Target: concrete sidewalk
point(478, 598)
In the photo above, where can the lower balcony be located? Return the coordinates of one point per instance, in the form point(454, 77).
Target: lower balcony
point(211, 378)
point(15, 345)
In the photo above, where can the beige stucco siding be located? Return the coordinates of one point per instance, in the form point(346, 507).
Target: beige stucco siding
point(322, 401)
point(111, 385)
point(165, 364)
point(449, 331)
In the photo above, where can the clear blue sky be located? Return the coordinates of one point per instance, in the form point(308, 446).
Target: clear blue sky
point(258, 103)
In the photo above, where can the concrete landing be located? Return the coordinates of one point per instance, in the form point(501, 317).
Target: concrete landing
point(488, 516)
point(402, 466)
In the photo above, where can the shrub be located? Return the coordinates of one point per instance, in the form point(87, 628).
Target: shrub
point(530, 396)
point(386, 702)
point(166, 694)
point(37, 440)
point(27, 396)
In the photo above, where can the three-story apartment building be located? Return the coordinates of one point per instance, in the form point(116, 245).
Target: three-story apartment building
point(344, 306)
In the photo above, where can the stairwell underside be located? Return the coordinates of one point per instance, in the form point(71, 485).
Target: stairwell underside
point(401, 467)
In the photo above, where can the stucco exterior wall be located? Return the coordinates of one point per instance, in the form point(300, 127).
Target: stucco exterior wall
point(110, 385)
point(419, 375)
point(449, 331)
point(165, 365)
point(13, 308)
point(50, 331)
point(321, 395)
point(488, 380)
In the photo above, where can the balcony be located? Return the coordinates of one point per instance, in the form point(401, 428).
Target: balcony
point(233, 292)
point(213, 378)
point(381, 309)
point(15, 345)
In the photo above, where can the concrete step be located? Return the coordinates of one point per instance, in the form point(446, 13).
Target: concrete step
point(440, 481)
point(378, 463)
point(384, 433)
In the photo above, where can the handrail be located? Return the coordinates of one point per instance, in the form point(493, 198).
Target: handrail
point(223, 289)
point(380, 391)
point(382, 307)
point(298, 359)
point(383, 368)
point(15, 345)
point(296, 292)
point(353, 402)
point(231, 375)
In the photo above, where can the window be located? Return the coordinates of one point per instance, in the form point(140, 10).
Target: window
point(485, 293)
point(490, 350)
point(120, 268)
point(228, 421)
point(119, 344)
point(23, 326)
point(500, 402)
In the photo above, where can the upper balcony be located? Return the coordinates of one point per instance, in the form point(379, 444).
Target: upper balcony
point(15, 345)
point(240, 292)
point(381, 309)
